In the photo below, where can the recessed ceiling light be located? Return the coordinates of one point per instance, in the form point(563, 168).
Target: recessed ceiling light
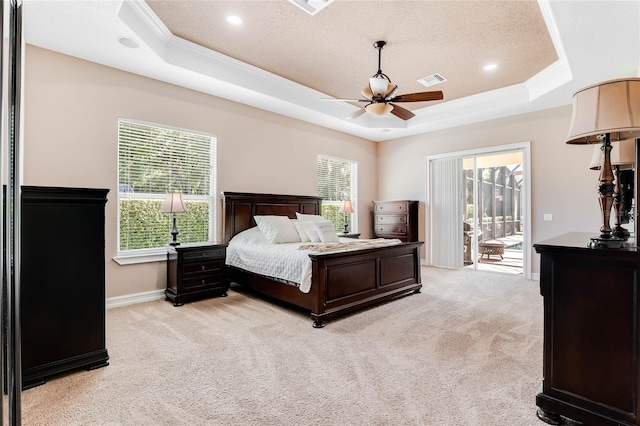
point(490, 67)
point(385, 130)
point(129, 42)
point(234, 20)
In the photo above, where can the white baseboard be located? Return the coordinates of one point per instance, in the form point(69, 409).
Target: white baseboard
point(535, 276)
point(130, 299)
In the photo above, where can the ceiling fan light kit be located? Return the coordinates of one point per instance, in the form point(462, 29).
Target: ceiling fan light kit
point(379, 109)
point(381, 92)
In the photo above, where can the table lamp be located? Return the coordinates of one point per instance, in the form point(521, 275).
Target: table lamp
point(604, 113)
point(173, 204)
point(346, 209)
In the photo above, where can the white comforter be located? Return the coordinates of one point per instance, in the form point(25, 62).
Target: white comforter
point(250, 250)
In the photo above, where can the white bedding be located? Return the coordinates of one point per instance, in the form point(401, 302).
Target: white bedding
point(251, 251)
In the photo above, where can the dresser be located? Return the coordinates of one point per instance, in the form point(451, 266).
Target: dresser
point(62, 286)
point(396, 219)
point(195, 271)
point(591, 332)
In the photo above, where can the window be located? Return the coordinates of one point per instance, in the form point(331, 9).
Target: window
point(337, 181)
point(152, 161)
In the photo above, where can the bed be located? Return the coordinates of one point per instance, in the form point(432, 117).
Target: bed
point(341, 282)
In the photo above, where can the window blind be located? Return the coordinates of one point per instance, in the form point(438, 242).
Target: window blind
point(154, 160)
point(337, 181)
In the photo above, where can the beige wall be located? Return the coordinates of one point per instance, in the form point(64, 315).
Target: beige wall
point(71, 112)
point(562, 183)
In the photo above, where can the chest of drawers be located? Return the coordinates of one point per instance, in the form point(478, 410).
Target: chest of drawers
point(396, 219)
point(195, 271)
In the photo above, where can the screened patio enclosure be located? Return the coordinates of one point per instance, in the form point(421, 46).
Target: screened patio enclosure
point(493, 214)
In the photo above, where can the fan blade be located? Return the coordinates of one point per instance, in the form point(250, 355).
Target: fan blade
point(345, 100)
point(402, 113)
point(418, 97)
point(356, 114)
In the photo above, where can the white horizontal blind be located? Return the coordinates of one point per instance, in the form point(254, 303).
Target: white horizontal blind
point(152, 161)
point(337, 181)
point(446, 212)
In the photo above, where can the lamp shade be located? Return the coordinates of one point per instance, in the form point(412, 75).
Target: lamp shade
point(610, 107)
point(623, 154)
point(378, 108)
point(173, 203)
point(379, 86)
point(346, 207)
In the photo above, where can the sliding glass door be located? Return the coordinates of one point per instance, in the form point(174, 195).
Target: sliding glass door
point(477, 209)
point(493, 213)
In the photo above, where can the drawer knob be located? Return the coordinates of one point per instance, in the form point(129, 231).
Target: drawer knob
point(203, 282)
point(202, 267)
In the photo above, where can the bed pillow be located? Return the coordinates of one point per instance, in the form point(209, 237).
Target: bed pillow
point(326, 232)
point(302, 228)
point(309, 217)
point(277, 229)
point(313, 235)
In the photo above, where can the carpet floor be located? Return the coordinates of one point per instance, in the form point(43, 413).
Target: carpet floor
point(465, 351)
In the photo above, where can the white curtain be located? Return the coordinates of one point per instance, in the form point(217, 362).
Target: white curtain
point(446, 203)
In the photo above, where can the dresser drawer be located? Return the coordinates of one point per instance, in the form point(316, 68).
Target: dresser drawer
point(391, 218)
point(206, 267)
point(391, 229)
point(210, 280)
point(213, 253)
point(391, 208)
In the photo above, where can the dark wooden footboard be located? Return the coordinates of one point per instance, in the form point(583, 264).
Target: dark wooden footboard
point(349, 281)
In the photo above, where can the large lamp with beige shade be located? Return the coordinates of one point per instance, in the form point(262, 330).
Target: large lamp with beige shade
point(604, 113)
point(173, 204)
point(622, 157)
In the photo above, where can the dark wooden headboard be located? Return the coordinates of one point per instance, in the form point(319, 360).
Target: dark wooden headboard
point(240, 207)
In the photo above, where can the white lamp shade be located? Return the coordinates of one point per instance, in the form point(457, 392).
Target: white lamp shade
point(610, 107)
point(379, 86)
point(366, 91)
point(379, 108)
point(346, 207)
point(623, 154)
point(173, 203)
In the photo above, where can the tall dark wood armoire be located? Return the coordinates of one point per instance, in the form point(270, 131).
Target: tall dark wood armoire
point(62, 286)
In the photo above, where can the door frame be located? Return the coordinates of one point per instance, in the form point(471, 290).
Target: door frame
point(526, 198)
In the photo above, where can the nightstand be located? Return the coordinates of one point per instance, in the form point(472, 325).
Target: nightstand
point(349, 235)
point(195, 271)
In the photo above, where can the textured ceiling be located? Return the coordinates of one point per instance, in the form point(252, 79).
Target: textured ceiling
point(285, 61)
point(333, 52)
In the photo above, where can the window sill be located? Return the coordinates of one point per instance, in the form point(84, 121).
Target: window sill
point(146, 257)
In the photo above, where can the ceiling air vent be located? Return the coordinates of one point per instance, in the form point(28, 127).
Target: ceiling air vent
point(311, 6)
point(432, 80)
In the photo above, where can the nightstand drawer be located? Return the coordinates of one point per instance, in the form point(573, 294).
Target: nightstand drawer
point(391, 229)
point(391, 208)
point(210, 280)
point(391, 218)
point(214, 253)
point(202, 267)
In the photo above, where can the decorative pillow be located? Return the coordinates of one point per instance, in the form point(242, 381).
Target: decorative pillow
point(309, 217)
point(313, 235)
point(326, 232)
point(302, 228)
point(277, 229)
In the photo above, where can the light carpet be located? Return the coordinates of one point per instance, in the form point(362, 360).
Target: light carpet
point(466, 351)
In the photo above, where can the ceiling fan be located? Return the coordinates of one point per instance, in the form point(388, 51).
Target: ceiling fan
point(380, 95)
